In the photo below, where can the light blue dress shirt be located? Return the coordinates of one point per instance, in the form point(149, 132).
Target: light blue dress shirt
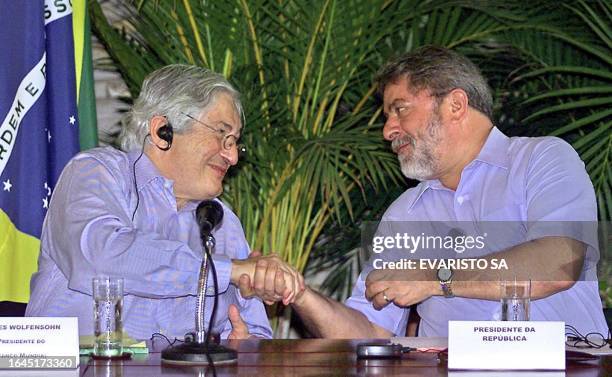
point(532, 182)
point(88, 231)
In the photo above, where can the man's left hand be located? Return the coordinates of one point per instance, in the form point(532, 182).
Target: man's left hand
point(401, 287)
point(239, 328)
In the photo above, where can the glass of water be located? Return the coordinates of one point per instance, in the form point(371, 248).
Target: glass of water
point(515, 299)
point(108, 308)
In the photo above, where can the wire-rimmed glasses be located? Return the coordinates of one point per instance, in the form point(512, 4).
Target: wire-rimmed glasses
point(228, 141)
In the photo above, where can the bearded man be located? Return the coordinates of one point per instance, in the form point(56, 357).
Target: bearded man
point(438, 111)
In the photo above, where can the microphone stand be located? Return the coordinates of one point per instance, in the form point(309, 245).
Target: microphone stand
point(197, 350)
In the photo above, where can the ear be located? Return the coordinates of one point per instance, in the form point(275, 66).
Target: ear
point(457, 105)
point(155, 123)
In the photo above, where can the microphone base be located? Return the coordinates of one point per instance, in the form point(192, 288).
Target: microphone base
point(193, 353)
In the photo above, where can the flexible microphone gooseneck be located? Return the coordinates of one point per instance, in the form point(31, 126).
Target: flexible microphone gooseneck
point(208, 215)
point(196, 349)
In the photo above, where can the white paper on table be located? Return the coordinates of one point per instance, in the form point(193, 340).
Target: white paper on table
point(506, 373)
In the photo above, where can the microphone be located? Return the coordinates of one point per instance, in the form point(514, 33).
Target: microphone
point(208, 215)
point(196, 348)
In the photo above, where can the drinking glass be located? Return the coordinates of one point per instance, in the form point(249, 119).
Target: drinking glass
point(515, 299)
point(108, 308)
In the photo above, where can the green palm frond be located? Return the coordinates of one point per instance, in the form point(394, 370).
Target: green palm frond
point(568, 92)
point(316, 156)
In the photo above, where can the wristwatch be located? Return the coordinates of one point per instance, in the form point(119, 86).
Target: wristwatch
point(445, 277)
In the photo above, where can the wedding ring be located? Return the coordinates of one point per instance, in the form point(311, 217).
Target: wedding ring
point(385, 296)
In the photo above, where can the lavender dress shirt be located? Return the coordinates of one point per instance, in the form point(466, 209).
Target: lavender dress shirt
point(527, 181)
point(88, 231)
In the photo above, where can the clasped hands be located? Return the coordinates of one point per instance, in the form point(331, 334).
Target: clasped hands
point(400, 287)
point(267, 277)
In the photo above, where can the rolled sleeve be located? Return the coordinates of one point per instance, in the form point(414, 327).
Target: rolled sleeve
point(560, 196)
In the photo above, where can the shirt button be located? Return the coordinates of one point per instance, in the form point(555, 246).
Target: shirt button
point(460, 199)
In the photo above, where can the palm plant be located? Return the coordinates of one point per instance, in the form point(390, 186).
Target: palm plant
point(565, 84)
point(562, 87)
point(305, 69)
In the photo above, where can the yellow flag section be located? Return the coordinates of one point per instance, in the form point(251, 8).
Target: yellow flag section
point(19, 260)
point(83, 64)
point(78, 26)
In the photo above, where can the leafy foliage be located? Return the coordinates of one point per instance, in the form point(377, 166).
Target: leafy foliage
point(317, 159)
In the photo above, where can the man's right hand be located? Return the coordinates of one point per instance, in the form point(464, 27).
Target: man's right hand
point(267, 277)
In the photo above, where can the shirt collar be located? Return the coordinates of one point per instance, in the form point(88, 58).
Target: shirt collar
point(421, 188)
point(494, 152)
point(146, 172)
point(495, 149)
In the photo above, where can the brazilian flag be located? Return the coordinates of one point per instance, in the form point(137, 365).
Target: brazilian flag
point(47, 114)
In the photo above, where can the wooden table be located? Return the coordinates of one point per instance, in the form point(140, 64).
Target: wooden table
point(306, 357)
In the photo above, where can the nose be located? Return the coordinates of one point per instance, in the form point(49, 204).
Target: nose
point(391, 129)
point(230, 155)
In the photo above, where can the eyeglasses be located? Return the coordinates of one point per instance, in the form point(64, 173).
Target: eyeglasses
point(591, 340)
point(228, 141)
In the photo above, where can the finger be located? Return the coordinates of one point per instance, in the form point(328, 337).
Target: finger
point(374, 289)
point(302, 283)
point(270, 280)
point(288, 297)
point(291, 277)
point(244, 285)
point(255, 254)
point(371, 278)
point(239, 328)
point(279, 282)
point(259, 280)
point(382, 299)
point(291, 286)
point(294, 276)
point(300, 288)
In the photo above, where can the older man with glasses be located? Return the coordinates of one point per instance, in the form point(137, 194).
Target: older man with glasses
point(130, 213)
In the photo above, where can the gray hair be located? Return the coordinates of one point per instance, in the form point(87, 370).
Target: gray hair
point(173, 91)
point(439, 70)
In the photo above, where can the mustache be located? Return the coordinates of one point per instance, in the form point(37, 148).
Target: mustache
point(396, 144)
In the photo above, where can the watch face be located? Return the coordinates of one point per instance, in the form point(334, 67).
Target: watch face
point(444, 274)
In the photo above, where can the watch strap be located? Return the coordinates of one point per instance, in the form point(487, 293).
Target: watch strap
point(447, 290)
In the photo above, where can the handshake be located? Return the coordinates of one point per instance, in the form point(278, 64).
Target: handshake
point(267, 277)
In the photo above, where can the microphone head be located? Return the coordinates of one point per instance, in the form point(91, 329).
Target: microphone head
point(208, 215)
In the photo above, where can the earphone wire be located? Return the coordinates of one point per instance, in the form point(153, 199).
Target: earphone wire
point(134, 174)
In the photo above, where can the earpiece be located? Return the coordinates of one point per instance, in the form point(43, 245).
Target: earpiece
point(166, 133)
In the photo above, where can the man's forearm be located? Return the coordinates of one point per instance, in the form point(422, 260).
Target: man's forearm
point(327, 318)
point(553, 264)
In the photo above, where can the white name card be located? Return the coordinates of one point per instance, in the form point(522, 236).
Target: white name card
point(506, 345)
point(39, 343)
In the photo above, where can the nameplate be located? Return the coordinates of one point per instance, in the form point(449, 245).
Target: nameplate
point(39, 343)
point(506, 345)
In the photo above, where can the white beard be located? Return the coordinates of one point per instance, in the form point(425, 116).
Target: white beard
point(415, 169)
point(420, 163)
